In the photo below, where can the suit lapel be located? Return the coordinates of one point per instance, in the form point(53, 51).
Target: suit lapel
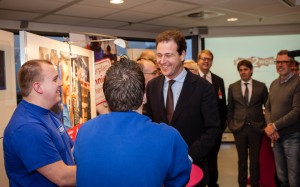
point(240, 92)
point(186, 92)
point(161, 109)
point(253, 91)
point(215, 83)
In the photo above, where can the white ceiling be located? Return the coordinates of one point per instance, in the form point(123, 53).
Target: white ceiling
point(151, 15)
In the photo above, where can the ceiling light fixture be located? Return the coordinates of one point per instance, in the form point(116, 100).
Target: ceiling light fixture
point(232, 19)
point(116, 1)
point(204, 14)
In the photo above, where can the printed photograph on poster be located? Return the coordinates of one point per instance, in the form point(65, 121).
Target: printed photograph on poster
point(103, 49)
point(2, 71)
point(74, 108)
point(100, 70)
point(80, 89)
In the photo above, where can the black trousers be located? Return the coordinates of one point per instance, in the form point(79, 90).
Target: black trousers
point(248, 140)
point(212, 162)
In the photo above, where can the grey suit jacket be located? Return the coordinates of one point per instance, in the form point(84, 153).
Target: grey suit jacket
point(239, 112)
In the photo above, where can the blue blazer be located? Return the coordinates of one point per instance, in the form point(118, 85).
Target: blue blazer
point(196, 114)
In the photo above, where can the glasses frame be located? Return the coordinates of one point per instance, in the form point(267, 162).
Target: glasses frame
point(205, 59)
point(282, 61)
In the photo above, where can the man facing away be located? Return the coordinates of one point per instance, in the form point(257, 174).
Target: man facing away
point(282, 117)
point(183, 99)
point(124, 147)
point(37, 149)
point(205, 60)
point(246, 99)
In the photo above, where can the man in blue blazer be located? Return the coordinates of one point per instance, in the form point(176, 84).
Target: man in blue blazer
point(246, 99)
point(194, 110)
point(205, 61)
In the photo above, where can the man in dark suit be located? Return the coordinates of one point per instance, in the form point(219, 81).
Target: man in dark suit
point(205, 59)
point(246, 98)
point(192, 109)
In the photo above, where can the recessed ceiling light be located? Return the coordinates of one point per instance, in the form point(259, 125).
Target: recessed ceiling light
point(116, 1)
point(232, 19)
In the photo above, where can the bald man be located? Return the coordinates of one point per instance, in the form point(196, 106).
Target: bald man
point(148, 54)
point(149, 69)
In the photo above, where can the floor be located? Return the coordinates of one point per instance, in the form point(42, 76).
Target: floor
point(227, 163)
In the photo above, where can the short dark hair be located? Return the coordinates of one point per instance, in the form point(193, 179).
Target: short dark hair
point(30, 72)
point(174, 35)
point(124, 86)
point(246, 63)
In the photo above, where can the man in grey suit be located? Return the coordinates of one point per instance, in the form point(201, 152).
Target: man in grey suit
point(192, 109)
point(246, 98)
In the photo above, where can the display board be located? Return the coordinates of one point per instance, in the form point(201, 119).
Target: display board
point(8, 98)
point(260, 50)
point(75, 66)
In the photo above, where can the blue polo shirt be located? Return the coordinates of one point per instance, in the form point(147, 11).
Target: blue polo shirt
point(33, 138)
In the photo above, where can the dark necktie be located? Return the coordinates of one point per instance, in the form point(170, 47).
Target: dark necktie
point(246, 95)
point(204, 76)
point(170, 102)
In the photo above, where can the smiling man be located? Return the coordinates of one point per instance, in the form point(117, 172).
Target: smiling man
point(246, 99)
point(282, 117)
point(37, 149)
point(183, 100)
point(205, 61)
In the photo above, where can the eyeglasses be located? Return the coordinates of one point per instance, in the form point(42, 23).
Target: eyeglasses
point(204, 59)
point(282, 62)
point(155, 72)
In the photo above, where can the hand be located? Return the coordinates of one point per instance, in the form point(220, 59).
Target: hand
point(275, 136)
point(270, 129)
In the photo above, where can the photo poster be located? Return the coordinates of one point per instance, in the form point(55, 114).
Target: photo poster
point(2, 71)
point(101, 67)
point(76, 69)
point(260, 50)
point(104, 48)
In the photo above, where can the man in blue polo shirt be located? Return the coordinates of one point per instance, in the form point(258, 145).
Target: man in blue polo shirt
point(37, 149)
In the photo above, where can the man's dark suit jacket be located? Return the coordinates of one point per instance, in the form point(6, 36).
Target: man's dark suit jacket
point(196, 114)
point(218, 84)
point(238, 111)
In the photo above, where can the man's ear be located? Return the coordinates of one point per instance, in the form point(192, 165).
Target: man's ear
point(182, 56)
point(144, 99)
point(37, 87)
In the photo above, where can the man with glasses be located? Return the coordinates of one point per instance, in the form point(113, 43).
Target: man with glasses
point(149, 69)
point(282, 117)
point(205, 60)
point(183, 99)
